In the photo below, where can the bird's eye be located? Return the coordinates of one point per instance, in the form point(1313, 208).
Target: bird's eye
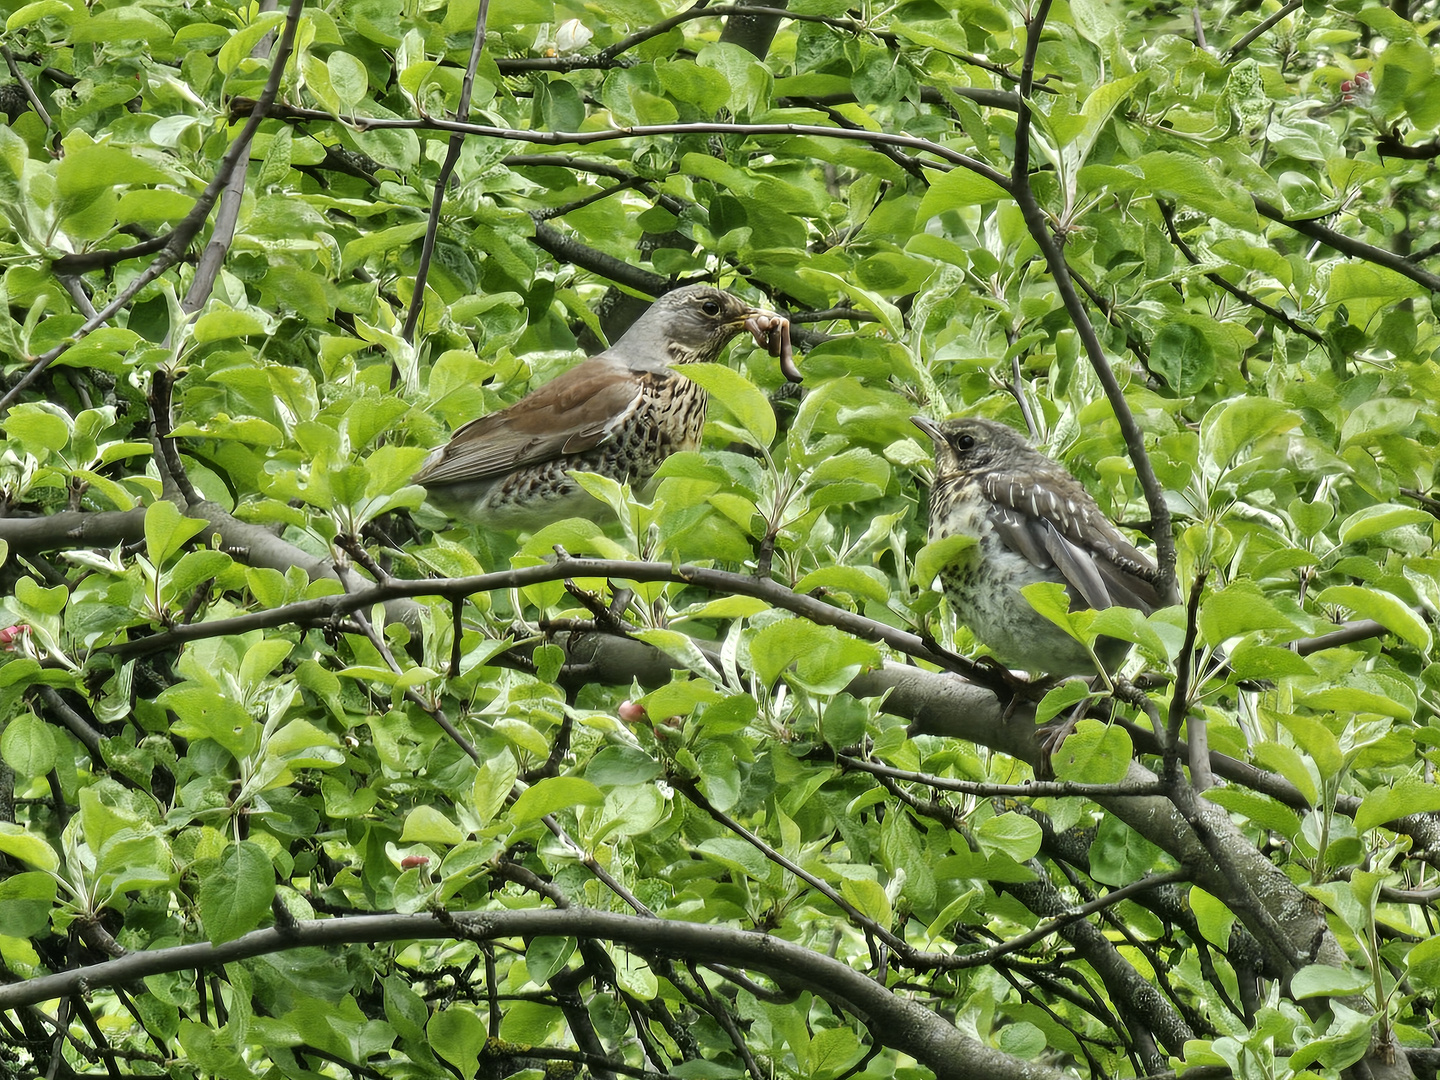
point(711, 308)
point(965, 442)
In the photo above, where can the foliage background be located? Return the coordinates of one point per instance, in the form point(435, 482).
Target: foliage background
point(300, 779)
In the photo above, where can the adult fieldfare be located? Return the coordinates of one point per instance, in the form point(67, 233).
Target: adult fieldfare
point(620, 414)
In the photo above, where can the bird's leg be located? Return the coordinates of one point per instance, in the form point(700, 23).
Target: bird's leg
point(619, 601)
point(1052, 735)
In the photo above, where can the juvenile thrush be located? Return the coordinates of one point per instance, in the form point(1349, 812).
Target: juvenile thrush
point(1031, 521)
point(620, 414)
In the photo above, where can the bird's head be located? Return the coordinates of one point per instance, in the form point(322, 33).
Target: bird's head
point(972, 445)
point(694, 323)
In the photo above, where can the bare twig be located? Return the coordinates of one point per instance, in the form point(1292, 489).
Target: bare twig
point(1262, 27)
point(172, 248)
point(442, 181)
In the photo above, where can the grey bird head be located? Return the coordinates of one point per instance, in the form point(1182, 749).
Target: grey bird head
point(972, 446)
point(694, 324)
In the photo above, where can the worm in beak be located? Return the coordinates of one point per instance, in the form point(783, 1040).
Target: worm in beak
point(772, 333)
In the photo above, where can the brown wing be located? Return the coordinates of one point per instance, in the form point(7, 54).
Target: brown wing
point(1056, 523)
point(570, 414)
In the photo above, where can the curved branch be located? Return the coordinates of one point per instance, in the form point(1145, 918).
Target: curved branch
point(1262, 27)
point(442, 181)
point(897, 1022)
point(320, 609)
point(646, 131)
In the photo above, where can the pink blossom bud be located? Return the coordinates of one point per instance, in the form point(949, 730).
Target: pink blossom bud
point(633, 713)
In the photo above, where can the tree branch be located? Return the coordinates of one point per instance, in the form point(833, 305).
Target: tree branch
point(894, 1021)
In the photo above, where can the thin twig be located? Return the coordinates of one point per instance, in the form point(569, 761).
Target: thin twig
point(173, 247)
point(646, 131)
point(1260, 28)
point(1039, 229)
point(19, 77)
point(452, 158)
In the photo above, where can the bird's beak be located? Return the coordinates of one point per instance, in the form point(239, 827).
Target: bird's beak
point(928, 426)
point(771, 332)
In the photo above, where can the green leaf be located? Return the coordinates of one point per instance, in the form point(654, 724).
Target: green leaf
point(866, 582)
point(1239, 608)
point(1322, 980)
point(954, 189)
point(1182, 355)
point(493, 783)
point(740, 397)
point(1229, 428)
point(85, 171)
point(19, 844)
point(348, 77)
point(1013, 835)
point(1423, 963)
point(25, 903)
point(1264, 811)
point(825, 659)
point(1051, 599)
point(1189, 179)
point(1316, 740)
point(868, 897)
point(1380, 518)
point(547, 955)
point(1058, 699)
point(552, 794)
point(28, 746)
point(737, 855)
point(1213, 918)
point(621, 766)
point(936, 556)
point(427, 825)
point(458, 1036)
point(832, 1052)
point(220, 323)
point(167, 531)
point(36, 428)
point(202, 713)
point(1392, 802)
point(40, 600)
point(237, 892)
point(1120, 855)
point(261, 659)
point(1094, 753)
point(1385, 608)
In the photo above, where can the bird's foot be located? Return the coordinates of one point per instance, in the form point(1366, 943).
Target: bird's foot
point(1052, 736)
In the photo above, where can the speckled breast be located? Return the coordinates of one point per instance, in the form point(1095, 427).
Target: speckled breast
point(669, 418)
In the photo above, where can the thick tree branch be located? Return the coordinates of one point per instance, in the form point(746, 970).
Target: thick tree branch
point(893, 1020)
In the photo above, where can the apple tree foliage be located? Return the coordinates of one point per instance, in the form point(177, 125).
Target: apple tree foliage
point(299, 779)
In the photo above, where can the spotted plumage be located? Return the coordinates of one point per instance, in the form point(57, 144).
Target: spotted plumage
point(620, 413)
point(1031, 521)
